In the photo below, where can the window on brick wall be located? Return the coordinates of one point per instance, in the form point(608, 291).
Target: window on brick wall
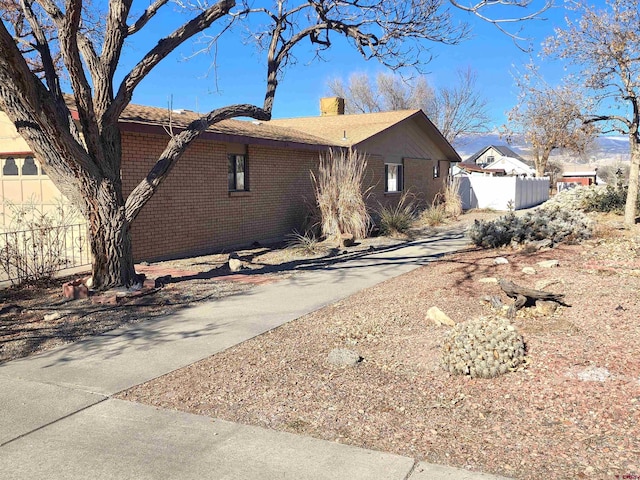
point(436, 169)
point(238, 178)
point(394, 177)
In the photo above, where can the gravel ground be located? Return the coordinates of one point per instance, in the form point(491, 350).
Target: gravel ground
point(573, 412)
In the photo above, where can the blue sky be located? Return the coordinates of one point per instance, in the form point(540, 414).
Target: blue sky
point(240, 74)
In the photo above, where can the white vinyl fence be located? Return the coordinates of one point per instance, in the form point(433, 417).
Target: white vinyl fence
point(498, 192)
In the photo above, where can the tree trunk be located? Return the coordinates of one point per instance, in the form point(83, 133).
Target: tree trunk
point(110, 238)
point(632, 193)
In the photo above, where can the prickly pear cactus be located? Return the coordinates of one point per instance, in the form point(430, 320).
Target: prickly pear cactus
point(483, 348)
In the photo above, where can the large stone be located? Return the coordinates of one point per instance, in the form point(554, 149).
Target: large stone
point(346, 240)
point(50, 317)
point(546, 308)
point(490, 280)
point(343, 357)
point(540, 244)
point(438, 317)
point(529, 271)
point(75, 289)
point(548, 264)
point(500, 261)
point(594, 374)
point(235, 264)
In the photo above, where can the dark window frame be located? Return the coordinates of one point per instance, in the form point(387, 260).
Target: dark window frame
point(232, 173)
point(399, 181)
point(436, 169)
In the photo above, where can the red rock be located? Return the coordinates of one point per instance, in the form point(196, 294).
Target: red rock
point(75, 289)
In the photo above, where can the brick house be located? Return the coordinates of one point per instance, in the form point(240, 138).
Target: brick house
point(243, 181)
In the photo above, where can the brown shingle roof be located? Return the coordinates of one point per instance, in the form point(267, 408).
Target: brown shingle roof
point(346, 130)
point(226, 130)
point(350, 130)
point(241, 128)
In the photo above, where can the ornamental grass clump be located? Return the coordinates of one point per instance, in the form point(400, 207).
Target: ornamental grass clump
point(340, 194)
point(452, 200)
point(397, 219)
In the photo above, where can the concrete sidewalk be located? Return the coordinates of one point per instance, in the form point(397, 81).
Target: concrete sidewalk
point(58, 420)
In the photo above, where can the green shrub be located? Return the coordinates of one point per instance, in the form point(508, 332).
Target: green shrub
point(608, 199)
point(553, 223)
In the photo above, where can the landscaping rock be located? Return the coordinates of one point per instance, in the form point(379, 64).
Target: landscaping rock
point(346, 240)
point(529, 271)
point(548, 264)
point(540, 244)
point(594, 374)
point(50, 317)
point(343, 357)
point(546, 308)
point(438, 317)
point(235, 265)
point(500, 261)
point(491, 280)
point(75, 290)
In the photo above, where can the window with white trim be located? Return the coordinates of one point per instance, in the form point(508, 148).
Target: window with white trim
point(394, 177)
point(237, 173)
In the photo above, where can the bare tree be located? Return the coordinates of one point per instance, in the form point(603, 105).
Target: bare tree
point(548, 118)
point(83, 157)
point(456, 109)
point(604, 43)
point(461, 108)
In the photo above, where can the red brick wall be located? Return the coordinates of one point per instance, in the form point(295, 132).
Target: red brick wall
point(193, 211)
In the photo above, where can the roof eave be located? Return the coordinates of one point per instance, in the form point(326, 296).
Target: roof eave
point(138, 127)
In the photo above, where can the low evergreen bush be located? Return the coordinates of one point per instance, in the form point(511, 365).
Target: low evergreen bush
point(553, 223)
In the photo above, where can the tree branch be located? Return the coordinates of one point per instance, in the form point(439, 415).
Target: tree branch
point(143, 192)
point(148, 14)
point(164, 47)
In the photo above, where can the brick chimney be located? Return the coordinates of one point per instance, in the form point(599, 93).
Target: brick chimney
point(331, 106)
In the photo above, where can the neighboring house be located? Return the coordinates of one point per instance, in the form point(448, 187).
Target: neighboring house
point(242, 181)
point(22, 180)
point(491, 154)
point(574, 176)
point(512, 166)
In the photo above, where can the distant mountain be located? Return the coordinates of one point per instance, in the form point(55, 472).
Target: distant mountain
point(608, 149)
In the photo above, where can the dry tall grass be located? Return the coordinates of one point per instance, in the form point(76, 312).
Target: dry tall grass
point(340, 194)
point(452, 200)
